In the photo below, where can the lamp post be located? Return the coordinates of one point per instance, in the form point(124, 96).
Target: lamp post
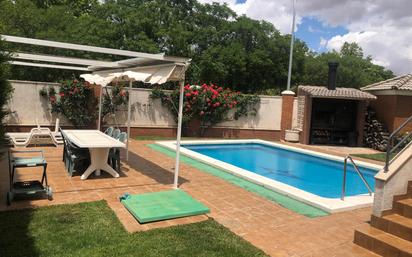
point(291, 46)
point(288, 95)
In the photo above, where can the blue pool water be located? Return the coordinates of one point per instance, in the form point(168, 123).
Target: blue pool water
point(313, 174)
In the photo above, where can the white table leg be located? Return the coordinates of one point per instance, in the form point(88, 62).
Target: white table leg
point(98, 161)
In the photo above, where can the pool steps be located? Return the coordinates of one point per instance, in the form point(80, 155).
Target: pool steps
point(391, 234)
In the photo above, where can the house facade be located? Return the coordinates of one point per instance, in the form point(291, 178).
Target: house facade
point(394, 101)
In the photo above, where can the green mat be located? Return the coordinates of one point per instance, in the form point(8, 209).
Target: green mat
point(163, 205)
point(283, 200)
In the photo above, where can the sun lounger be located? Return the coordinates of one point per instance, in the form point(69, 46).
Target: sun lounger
point(37, 136)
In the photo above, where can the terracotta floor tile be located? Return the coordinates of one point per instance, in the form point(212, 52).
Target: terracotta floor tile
point(270, 227)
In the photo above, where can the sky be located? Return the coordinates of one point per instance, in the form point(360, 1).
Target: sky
point(382, 28)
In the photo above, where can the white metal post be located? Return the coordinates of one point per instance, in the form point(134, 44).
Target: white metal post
point(179, 134)
point(129, 107)
point(292, 41)
point(100, 107)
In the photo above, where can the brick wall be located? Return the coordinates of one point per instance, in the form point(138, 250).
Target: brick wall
point(393, 110)
point(288, 99)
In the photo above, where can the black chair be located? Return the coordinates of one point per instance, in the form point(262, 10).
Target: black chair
point(114, 154)
point(116, 133)
point(74, 157)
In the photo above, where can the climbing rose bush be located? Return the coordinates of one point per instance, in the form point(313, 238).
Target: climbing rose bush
point(75, 100)
point(210, 104)
point(114, 100)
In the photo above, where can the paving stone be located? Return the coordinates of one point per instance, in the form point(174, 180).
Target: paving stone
point(268, 226)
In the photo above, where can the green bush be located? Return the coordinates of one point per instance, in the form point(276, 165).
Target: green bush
point(209, 104)
point(5, 90)
point(75, 101)
point(113, 99)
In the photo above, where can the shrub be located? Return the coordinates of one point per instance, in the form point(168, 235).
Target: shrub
point(210, 104)
point(112, 100)
point(75, 101)
point(5, 91)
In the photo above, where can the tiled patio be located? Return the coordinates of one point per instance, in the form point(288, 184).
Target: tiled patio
point(270, 227)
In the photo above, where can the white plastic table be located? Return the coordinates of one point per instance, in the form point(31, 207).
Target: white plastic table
point(99, 145)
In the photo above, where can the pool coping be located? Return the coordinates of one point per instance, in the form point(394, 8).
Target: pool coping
point(331, 205)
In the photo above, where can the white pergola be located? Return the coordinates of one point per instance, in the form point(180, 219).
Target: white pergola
point(148, 68)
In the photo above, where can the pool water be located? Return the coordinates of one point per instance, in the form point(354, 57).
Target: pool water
point(317, 175)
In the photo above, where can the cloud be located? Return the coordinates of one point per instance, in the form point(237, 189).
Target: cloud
point(323, 43)
point(382, 28)
point(277, 12)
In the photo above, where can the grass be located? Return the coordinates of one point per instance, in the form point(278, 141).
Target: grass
point(376, 157)
point(92, 229)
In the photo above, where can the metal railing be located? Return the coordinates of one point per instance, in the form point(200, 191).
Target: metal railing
point(357, 171)
point(391, 149)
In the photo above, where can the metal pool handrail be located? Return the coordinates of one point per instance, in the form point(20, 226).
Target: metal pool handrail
point(357, 171)
point(389, 148)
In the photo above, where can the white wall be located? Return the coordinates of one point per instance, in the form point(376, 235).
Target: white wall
point(28, 106)
point(145, 112)
point(394, 182)
point(267, 117)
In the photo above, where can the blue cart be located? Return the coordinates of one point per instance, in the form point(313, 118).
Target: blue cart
point(33, 158)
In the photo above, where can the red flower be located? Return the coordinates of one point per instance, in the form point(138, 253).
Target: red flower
point(61, 94)
point(52, 99)
point(201, 113)
point(188, 94)
point(75, 81)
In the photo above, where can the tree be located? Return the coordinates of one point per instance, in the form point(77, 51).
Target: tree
point(239, 52)
point(351, 50)
point(5, 90)
point(354, 70)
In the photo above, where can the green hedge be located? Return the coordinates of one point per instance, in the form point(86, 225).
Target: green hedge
point(5, 90)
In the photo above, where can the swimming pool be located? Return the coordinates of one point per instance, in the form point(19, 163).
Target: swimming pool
point(308, 176)
point(310, 173)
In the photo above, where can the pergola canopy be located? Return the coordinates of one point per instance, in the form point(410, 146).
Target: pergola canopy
point(158, 74)
point(145, 67)
point(135, 59)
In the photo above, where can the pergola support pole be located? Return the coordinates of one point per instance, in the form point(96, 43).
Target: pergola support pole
point(179, 134)
point(100, 107)
point(129, 108)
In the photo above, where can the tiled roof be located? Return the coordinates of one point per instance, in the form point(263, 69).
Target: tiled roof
point(338, 93)
point(398, 83)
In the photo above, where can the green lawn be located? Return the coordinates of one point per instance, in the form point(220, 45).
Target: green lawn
point(92, 229)
point(376, 157)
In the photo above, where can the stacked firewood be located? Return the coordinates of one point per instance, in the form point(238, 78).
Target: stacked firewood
point(375, 134)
